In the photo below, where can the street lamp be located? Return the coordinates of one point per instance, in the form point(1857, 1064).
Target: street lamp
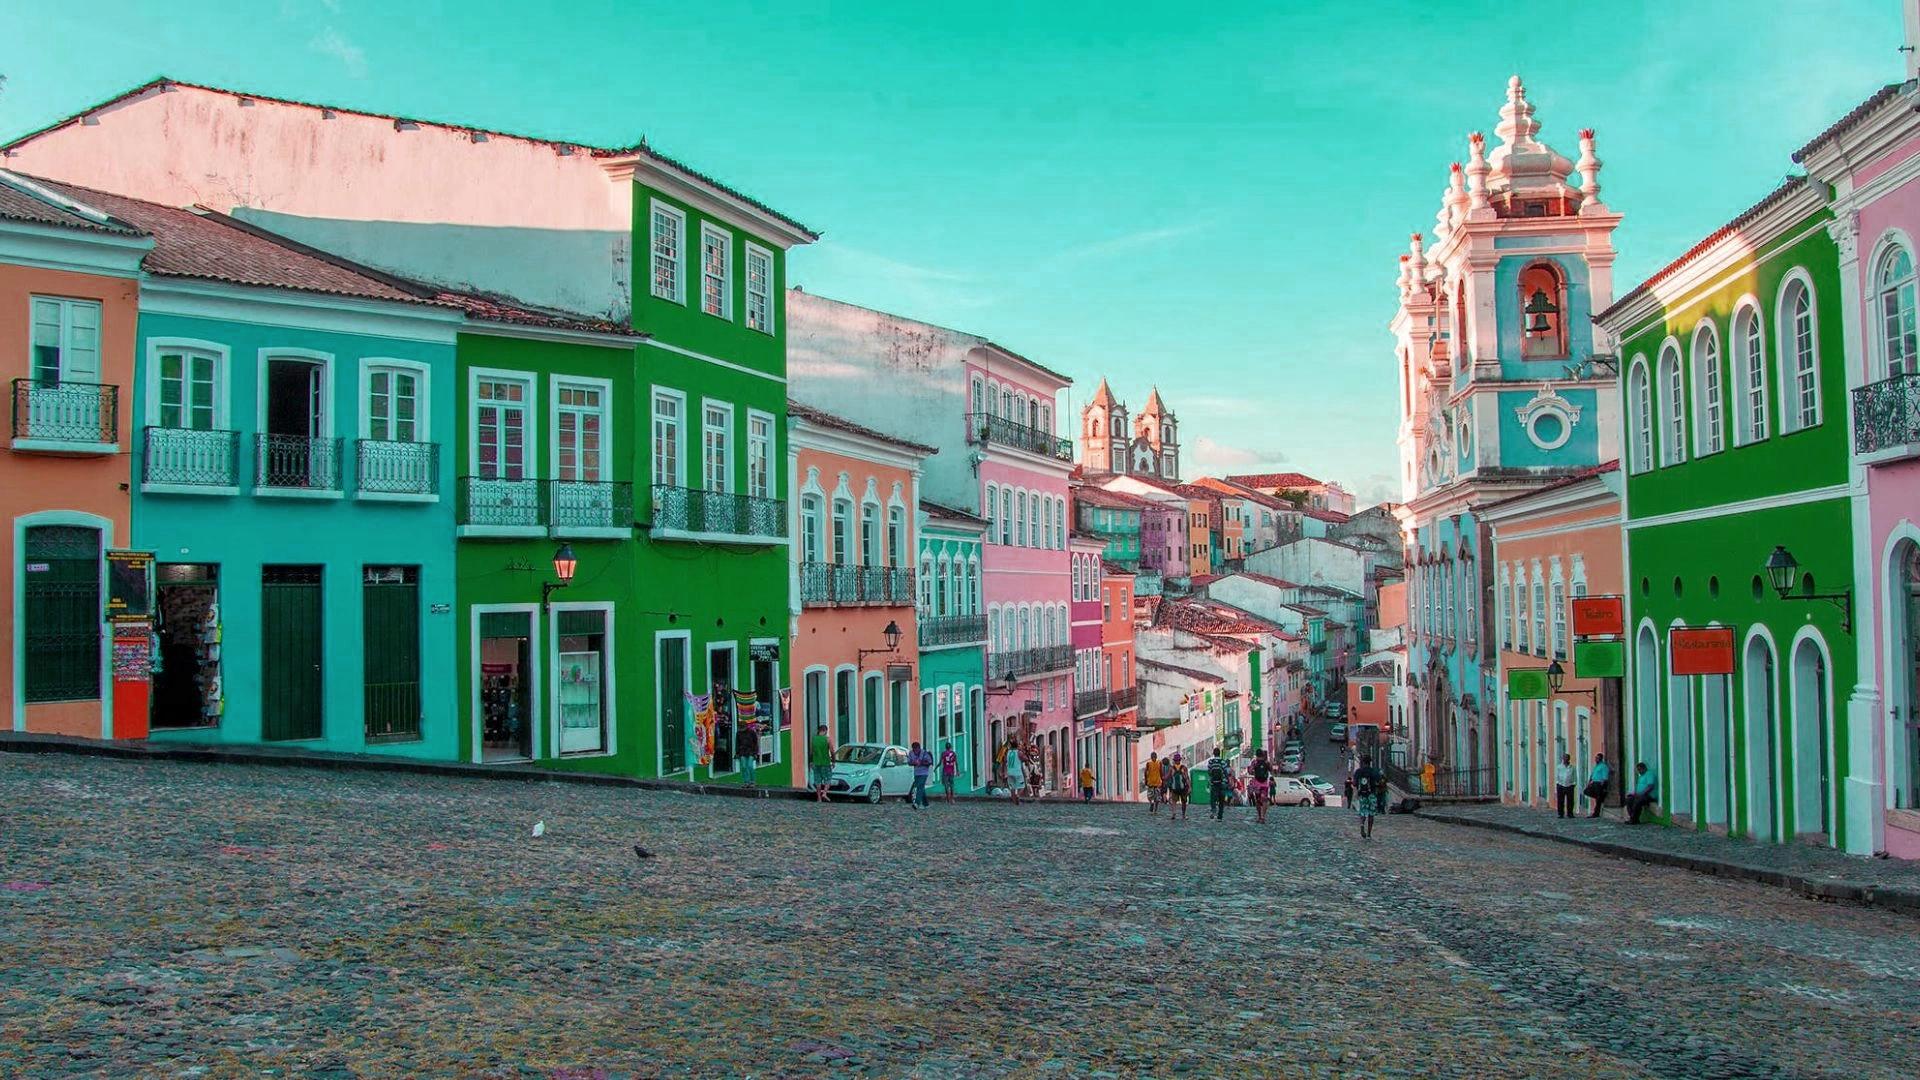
point(1557, 678)
point(892, 634)
point(564, 565)
point(1783, 572)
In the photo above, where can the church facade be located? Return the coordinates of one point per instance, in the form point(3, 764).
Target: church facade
point(1148, 447)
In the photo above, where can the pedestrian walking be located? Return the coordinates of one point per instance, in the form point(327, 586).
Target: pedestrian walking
point(746, 750)
point(922, 763)
point(1346, 789)
point(949, 770)
point(1086, 783)
point(1219, 783)
point(1646, 792)
point(1000, 754)
point(1179, 787)
point(1016, 771)
point(1597, 783)
point(1563, 777)
point(1369, 791)
point(1155, 783)
point(820, 762)
point(1260, 784)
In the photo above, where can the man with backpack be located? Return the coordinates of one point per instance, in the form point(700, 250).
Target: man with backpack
point(1179, 786)
point(1220, 783)
point(1260, 784)
point(1369, 790)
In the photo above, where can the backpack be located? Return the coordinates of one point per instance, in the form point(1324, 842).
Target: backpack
point(1177, 781)
point(1261, 770)
point(1363, 782)
point(1217, 770)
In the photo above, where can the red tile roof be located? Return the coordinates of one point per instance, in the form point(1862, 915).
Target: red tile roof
point(840, 423)
point(1780, 194)
point(943, 512)
point(1113, 569)
point(501, 309)
point(1212, 617)
point(1334, 516)
point(23, 198)
point(1273, 480)
point(1264, 579)
point(1241, 491)
point(641, 149)
point(1569, 480)
point(1855, 115)
point(1114, 500)
point(1191, 673)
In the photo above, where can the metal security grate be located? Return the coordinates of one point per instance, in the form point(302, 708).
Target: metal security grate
point(63, 613)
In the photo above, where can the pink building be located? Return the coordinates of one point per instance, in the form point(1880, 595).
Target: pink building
point(1551, 547)
point(1872, 160)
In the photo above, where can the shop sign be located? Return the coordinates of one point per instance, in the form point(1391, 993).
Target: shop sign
point(899, 672)
point(1600, 659)
point(1701, 650)
point(1599, 616)
point(1528, 684)
point(440, 609)
point(1034, 705)
point(763, 652)
point(129, 585)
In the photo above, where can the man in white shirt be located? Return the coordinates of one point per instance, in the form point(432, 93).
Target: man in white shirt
point(1563, 787)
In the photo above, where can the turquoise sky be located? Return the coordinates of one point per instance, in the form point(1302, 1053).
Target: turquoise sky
point(1208, 196)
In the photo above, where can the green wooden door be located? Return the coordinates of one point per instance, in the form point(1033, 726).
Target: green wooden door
point(390, 612)
point(290, 652)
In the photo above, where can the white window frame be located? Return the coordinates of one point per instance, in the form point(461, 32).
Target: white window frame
point(1751, 407)
point(1709, 390)
point(222, 377)
point(530, 405)
point(609, 701)
point(1672, 407)
point(760, 446)
point(709, 231)
point(813, 527)
point(1790, 410)
point(725, 431)
point(1640, 415)
point(422, 375)
point(765, 297)
point(678, 294)
point(679, 477)
point(603, 387)
point(65, 306)
point(1880, 360)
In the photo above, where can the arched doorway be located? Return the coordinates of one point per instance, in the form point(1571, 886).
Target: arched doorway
point(1715, 704)
point(1646, 702)
point(1680, 743)
point(1760, 705)
point(1903, 670)
point(1812, 711)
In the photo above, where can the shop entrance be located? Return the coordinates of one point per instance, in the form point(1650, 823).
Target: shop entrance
point(583, 663)
point(186, 677)
point(720, 685)
point(506, 685)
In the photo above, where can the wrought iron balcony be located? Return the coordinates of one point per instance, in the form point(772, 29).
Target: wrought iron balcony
point(952, 630)
point(831, 583)
point(718, 514)
point(987, 428)
point(83, 413)
point(397, 468)
point(589, 504)
point(1886, 414)
point(1123, 699)
point(296, 462)
point(1091, 702)
point(191, 458)
point(1020, 663)
point(500, 503)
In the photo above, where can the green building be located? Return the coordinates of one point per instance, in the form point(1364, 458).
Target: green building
point(1738, 526)
point(953, 636)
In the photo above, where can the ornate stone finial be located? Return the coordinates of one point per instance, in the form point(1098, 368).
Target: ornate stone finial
point(1456, 194)
point(1477, 173)
point(1589, 168)
point(1416, 257)
point(1517, 125)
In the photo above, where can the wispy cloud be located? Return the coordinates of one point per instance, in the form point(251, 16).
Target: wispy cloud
point(1212, 455)
point(330, 42)
point(1115, 245)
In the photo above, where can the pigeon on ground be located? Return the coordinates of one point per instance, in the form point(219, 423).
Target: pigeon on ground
point(642, 852)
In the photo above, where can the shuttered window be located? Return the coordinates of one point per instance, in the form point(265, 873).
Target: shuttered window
point(63, 613)
point(390, 609)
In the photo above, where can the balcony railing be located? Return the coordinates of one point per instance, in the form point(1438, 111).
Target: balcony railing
point(952, 630)
point(718, 513)
point(500, 503)
point(190, 458)
point(398, 468)
point(296, 462)
point(589, 504)
point(66, 412)
point(1886, 414)
point(1447, 783)
point(1123, 699)
point(831, 583)
point(1091, 702)
point(988, 428)
point(1023, 662)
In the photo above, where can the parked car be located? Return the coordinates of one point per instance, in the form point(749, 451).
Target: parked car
point(1290, 763)
point(1337, 733)
point(1291, 791)
point(1336, 710)
point(1321, 786)
point(870, 771)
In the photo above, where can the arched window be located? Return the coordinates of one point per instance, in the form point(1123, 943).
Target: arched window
point(1749, 377)
point(1799, 357)
point(1006, 402)
point(1543, 302)
point(1093, 425)
point(973, 585)
point(1640, 417)
point(843, 531)
point(1709, 408)
point(1006, 515)
point(1673, 413)
point(942, 589)
point(1894, 287)
point(993, 493)
point(896, 535)
point(978, 399)
point(926, 585)
point(1046, 419)
point(870, 539)
point(811, 529)
point(1020, 517)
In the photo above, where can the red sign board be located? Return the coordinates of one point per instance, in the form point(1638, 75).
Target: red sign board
point(1599, 616)
point(1701, 650)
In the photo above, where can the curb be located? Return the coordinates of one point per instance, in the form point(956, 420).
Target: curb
point(211, 754)
point(1898, 898)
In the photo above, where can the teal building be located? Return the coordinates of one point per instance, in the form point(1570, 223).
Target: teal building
point(953, 636)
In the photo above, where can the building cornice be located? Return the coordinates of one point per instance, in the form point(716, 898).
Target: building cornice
point(197, 298)
point(78, 251)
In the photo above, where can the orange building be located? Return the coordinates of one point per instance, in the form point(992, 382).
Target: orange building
point(70, 281)
point(1117, 747)
point(856, 643)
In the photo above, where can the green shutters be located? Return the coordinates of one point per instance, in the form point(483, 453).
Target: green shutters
point(390, 622)
point(290, 653)
point(61, 623)
point(673, 704)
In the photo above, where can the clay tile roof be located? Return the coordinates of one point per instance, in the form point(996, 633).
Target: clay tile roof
point(201, 244)
point(1569, 480)
point(1201, 581)
point(1241, 491)
point(840, 423)
point(1274, 480)
point(1114, 569)
point(1265, 579)
point(1789, 187)
point(1191, 673)
point(1855, 115)
point(1213, 618)
point(20, 201)
point(943, 512)
point(1334, 516)
point(1379, 669)
point(1114, 500)
point(1307, 609)
point(493, 308)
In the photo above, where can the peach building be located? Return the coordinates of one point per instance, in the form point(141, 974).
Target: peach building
point(72, 273)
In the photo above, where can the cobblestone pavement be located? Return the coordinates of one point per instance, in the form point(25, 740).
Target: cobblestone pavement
point(176, 919)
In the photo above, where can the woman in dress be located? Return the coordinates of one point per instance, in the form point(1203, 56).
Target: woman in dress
point(1016, 771)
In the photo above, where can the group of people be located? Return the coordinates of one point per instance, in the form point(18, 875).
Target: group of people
point(1646, 788)
point(1169, 781)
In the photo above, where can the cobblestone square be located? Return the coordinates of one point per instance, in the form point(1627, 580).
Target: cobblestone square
point(166, 919)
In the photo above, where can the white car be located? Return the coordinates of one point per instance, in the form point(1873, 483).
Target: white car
point(870, 771)
point(1290, 762)
point(1292, 791)
point(1321, 786)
